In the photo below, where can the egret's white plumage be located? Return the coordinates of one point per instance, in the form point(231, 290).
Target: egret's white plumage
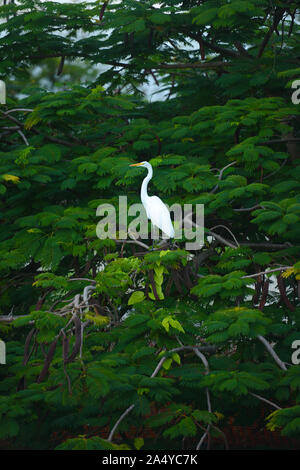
point(155, 209)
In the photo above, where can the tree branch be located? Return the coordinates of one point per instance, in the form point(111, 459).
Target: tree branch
point(276, 20)
point(191, 65)
point(154, 373)
point(282, 268)
point(265, 400)
point(221, 174)
point(272, 352)
point(224, 226)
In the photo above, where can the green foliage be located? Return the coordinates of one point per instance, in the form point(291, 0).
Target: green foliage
point(92, 443)
point(187, 341)
point(287, 419)
point(223, 325)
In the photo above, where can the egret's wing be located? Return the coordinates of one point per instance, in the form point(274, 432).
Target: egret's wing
point(159, 215)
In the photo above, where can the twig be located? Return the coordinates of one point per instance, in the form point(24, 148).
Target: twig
point(265, 400)
point(206, 365)
point(192, 65)
point(282, 268)
point(247, 209)
point(47, 137)
point(10, 318)
point(213, 234)
point(154, 373)
point(221, 174)
point(272, 352)
point(224, 226)
point(276, 19)
point(14, 110)
point(267, 245)
point(221, 239)
point(276, 171)
point(126, 412)
point(135, 242)
point(202, 439)
point(223, 435)
point(23, 137)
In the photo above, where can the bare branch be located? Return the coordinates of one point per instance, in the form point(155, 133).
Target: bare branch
point(126, 412)
point(274, 246)
point(224, 226)
point(221, 174)
point(247, 209)
point(81, 279)
point(15, 110)
point(154, 373)
point(134, 242)
point(221, 239)
point(282, 268)
point(276, 20)
point(192, 65)
point(272, 352)
point(213, 234)
point(10, 318)
point(265, 400)
point(23, 137)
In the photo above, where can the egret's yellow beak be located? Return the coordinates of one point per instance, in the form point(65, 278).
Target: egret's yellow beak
point(136, 164)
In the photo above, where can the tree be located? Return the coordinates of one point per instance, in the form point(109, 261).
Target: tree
point(110, 344)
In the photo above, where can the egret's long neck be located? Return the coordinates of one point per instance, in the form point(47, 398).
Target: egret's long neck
point(144, 194)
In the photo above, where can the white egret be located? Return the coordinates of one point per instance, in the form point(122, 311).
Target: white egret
point(155, 209)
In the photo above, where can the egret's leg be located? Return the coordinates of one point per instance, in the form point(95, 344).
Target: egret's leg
point(152, 246)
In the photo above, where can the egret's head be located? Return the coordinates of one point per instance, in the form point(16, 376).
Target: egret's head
point(145, 164)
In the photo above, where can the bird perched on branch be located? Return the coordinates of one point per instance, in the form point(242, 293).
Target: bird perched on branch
point(155, 209)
